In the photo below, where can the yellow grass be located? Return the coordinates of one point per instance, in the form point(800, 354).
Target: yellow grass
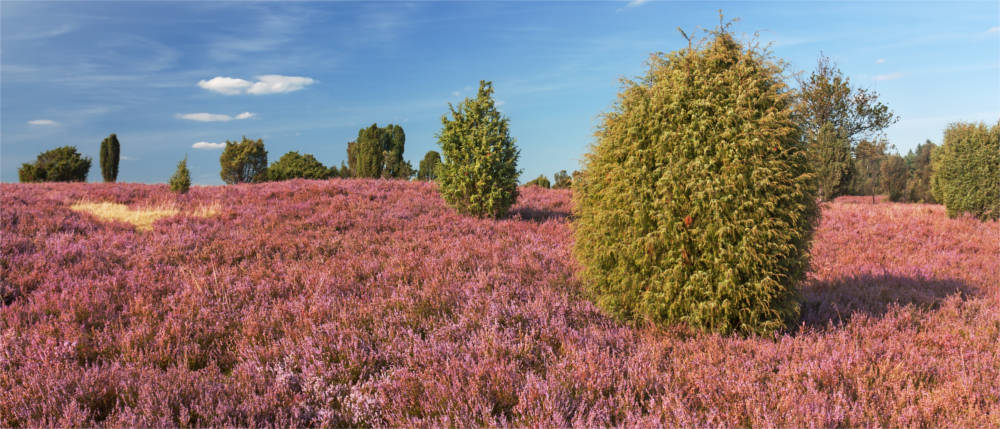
point(141, 217)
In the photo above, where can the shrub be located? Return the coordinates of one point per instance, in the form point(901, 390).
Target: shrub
point(429, 165)
point(541, 181)
point(479, 173)
point(562, 180)
point(63, 164)
point(110, 156)
point(966, 176)
point(180, 182)
point(292, 165)
point(244, 162)
point(696, 203)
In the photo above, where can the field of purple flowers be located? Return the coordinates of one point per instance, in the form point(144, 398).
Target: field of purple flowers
point(370, 303)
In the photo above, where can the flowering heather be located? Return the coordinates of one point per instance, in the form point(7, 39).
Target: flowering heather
point(370, 303)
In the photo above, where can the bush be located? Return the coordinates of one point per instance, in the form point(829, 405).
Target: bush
point(696, 203)
point(63, 164)
point(562, 180)
point(180, 182)
point(429, 165)
point(292, 165)
point(541, 181)
point(479, 173)
point(244, 162)
point(966, 176)
point(110, 156)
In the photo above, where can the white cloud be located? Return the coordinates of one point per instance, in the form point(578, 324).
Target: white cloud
point(277, 84)
point(45, 122)
point(993, 30)
point(636, 3)
point(880, 61)
point(126, 158)
point(214, 117)
point(225, 85)
point(208, 145)
point(889, 76)
point(500, 103)
point(265, 84)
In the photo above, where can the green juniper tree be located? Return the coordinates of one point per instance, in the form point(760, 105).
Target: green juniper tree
point(62, 164)
point(110, 156)
point(696, 204)
point(966, 175)
point(478, 175)
point(244, 161)
point(180, 182)
point(293, 165)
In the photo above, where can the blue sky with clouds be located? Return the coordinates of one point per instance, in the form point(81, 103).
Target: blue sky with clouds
point(177, 78)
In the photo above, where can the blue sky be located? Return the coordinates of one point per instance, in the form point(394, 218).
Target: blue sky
point(306, 76)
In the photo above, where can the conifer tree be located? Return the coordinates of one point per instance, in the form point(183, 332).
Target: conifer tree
point(180, 182)
point(110, 156)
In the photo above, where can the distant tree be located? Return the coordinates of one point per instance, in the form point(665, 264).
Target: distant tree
point(378, 153)
point(63, 164)
point(868, 156)
point(345, 171)
point(894, 173)
point(966, 175)
point(827, 97)
point(352, 160)
point(562, 180)
point(429, 165)
point(541, 181)
point(180, 182)
point(292, 165)
point(478, 175)
point(244, 161)
point(110, 155)
point(918, 186)
point(829, 155)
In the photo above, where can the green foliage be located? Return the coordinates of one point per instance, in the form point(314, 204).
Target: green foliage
point(479, 173)
point(966, 174)
point(180, 182)
point(540, 181)
point(827, 99)
point(696, 204)
point(429, 165)
point(292, 165)
point(868, 156)
point(62, 164)
point(378, 153)
point(562, 180)
point(829, 156)
point(244, 161)
point(895, 173)
point(110, 155)
point(918, 186)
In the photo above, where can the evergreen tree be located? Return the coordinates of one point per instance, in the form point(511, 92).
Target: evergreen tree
point(829, 156)
point(292, 165)
point(918, 187)
point(697, 203)
point(478, 175)
point(562, 180)
point(110, 156)
point(244, 161)
point(967, 170)
point(180, 182)
point(62, 164)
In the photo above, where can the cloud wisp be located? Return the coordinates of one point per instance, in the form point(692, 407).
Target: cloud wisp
point(43, 122)
point(265, 84)
point(880, 61)
point(214, 117)
point(208, 145)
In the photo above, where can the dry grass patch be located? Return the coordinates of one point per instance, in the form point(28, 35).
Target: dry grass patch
point(141, 217)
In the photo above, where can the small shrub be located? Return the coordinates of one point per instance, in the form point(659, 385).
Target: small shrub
point(697, 204)
point(541, 181)
point(180, 182)
point(966, 174)
point(243, 162)
point(479, 173)
point(63, 164)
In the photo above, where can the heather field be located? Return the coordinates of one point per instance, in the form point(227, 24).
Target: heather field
point(370, 303)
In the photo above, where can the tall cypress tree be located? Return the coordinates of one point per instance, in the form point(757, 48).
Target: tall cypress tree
point(110, 151)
